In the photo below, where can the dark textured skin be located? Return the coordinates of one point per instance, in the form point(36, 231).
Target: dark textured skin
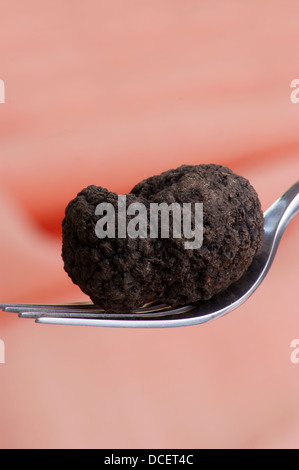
point(123, 274)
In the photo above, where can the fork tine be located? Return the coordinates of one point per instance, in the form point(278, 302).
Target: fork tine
point(16, 308)
point(114, 323)
point(56, 314)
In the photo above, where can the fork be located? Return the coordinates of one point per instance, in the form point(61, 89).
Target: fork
point(156, 315)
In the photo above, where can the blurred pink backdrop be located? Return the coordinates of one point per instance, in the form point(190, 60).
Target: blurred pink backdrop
point(109, 93)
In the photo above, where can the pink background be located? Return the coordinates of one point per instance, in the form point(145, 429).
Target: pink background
point(109, 93)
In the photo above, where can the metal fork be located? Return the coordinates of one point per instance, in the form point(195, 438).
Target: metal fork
point(156, 315)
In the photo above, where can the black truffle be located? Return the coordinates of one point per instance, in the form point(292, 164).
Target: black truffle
point(122, 274)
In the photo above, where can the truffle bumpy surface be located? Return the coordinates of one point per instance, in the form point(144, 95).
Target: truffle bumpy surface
point(122, 274)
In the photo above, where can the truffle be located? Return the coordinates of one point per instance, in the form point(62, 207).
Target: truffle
point(121, 272)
